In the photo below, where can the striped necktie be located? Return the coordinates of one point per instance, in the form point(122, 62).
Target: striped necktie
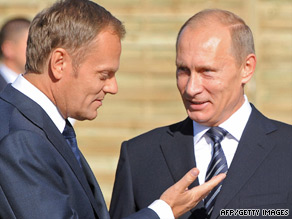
point(70, 136)
point(217, 165)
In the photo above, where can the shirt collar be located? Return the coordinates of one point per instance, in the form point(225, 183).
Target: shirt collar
point(8, 74)
point(28, 89)
point(199, 131)
point(237, 121)
point(235, 124)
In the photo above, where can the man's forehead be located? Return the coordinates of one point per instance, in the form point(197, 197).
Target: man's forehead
point(205, 37)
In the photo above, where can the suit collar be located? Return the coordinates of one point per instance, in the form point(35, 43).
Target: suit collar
point(25, 105)
point(34, 113)
point(253, 148)
point(32, 92)
point(177, 148)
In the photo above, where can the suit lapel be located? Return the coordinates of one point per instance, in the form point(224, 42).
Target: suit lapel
point(37, 116)
point(253, 148)
point(61, 145)
point(178, 149)
point(102, 209)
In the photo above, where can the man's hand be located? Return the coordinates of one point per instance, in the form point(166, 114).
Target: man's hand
point(181, 199)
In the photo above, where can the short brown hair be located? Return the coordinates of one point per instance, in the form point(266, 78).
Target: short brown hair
point(70, 24)
point(241, 35)
point(12, 29)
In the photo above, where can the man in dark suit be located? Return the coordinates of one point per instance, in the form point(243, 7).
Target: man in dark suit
point(215, 59)
point(13, 37)
point(73, 53)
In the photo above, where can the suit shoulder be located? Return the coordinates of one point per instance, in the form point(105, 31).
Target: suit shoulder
point(5, 107)
point(13, 120)
point(283, 125)
point(276, 129)
point(283, 128)
point(267, 124)
point(22, 144)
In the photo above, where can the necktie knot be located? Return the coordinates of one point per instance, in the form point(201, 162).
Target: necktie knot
point(216, 134)
point(70, 136)
point(68, 132)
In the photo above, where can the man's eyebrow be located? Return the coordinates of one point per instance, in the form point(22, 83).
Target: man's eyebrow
point(180, 64)
point(205, 66)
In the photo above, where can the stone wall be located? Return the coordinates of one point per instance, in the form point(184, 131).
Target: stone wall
point(148, 96)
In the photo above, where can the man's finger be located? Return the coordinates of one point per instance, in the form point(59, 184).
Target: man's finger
point(208, 186)
point(188, 178)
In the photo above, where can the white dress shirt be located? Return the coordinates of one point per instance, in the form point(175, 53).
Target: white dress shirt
point(25, 87)
point(8, 75)
point(203, 144)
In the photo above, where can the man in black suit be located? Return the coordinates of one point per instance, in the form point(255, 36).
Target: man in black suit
point(13, 37)
point(215, 59)
point(73, 53)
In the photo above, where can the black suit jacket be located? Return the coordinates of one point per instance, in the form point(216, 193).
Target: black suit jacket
point(40, 176)
point(260, 176)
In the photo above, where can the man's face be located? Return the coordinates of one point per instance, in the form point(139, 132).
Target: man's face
point(14, 51)
point(208, 77)
point(85, 89)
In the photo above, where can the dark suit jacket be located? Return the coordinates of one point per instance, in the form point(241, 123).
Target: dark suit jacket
point(40, 177)
point(260, 176)
point(3, 83)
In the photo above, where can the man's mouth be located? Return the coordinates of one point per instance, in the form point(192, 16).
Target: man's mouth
point(197, 105)
point(198, 102)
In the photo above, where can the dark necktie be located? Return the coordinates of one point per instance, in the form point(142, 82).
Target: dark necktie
point(69, 135)
point(217, 165)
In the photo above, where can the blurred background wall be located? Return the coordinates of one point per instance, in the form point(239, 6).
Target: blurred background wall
point(148, 96)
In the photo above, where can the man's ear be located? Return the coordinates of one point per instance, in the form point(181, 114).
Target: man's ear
point(58, 62)
point(248, 68)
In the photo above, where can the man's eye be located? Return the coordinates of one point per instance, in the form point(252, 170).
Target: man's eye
point(182, 70)
point(105, 75)
point(206, 71)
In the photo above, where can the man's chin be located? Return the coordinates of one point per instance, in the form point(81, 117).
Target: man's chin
point(199, 118)
point(87, 116)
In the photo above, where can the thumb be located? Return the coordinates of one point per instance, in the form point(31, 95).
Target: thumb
point(188, 178)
